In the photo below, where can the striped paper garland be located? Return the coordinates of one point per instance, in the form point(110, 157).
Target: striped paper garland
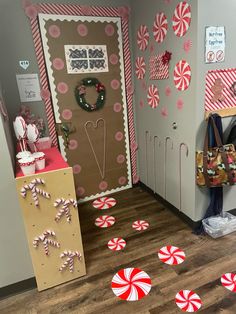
point(70, 9)
point(228, 77)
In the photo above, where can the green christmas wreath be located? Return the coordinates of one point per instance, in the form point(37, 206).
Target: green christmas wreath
point(80, 93)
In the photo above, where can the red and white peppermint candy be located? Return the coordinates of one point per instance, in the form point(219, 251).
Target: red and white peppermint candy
point(140, 68)
point(229, 281)
point(181, 19)
point(153, 96)
point(105, 221)
point(182, 75)
point(160, 27)
point(104, 203)
point(188, 301)
point(171, 255)
point(131, 284)
point(116, 244)
point(142, 37)
point(140, 225)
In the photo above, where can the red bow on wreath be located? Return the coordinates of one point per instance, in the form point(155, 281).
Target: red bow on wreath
point(166, 57)
point(99, 87)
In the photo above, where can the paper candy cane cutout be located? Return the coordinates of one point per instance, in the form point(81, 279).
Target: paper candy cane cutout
point(70, 260)
point(46, 241)
point(65, 208)
point(34, 190)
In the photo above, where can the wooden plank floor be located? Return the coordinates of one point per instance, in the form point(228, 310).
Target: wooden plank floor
point(206, 261)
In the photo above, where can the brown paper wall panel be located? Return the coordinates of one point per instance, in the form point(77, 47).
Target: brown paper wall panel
point(59, 184)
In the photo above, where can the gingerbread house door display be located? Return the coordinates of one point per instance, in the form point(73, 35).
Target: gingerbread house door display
point(85, 66)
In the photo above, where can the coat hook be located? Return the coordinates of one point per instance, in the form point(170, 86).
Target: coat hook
point(154, 157)
point(167, 139)
point(181, 145)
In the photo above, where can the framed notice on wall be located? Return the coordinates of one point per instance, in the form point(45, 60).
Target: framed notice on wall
point(214, 44)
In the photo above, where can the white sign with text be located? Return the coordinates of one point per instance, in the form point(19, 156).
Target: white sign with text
point(215, 44)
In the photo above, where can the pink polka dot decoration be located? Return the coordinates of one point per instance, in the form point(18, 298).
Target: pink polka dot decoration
point(188, 301)
point(160, 27)
point(164, 112)
point(105, 221)
point(86, 9)
point(113, 59)
point(119, 136)
point(115, 84)
point(131, 284)
point(103, 185)
point(26, 3)
point(120, 159)
point(117, 107)
point(140, 67)
point(182, 75)
point(124, 12)
point(73, 144)
point(58, 64)
point(122, 180)
point(168, 1)
point(153, 96)
point(109, 30)
point(171, 255)
point(180, 103)
point(187, 45)
point(82, 30)
point(142, 37)
point(31, 11)
point(141, 103)
point(144, 85)
point(62, 88)
point(140, 225)
point(104, 203)
point(66, 114)
point(80, 191)
point(136, 179)
point(181, 19)
point(45, 94)
point(116, 244)
point(76, 169)
point(54, 31)
point(229, 281)
point(152, 48)
point(167, 91)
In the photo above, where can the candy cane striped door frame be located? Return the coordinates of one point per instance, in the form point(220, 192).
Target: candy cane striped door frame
point(78, 10)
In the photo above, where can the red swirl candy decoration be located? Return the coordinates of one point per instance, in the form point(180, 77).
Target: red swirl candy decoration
point(131, 284)
point(105, 221)
point(142, 37)
point(140, 225)
point(229, 281)
point(182, 75)
point(181, 19)
point(171, 255)
point(188, 301)
point(116, 244)
point(140, 68)
point(104, 203)
point(153, 96)
point(160, 27)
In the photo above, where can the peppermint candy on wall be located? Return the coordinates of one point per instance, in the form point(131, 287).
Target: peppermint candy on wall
point(171, 255)
point(188, 301)
point(131, 284)
point(153, 96)
point(105, 221)
point(104, 203)
point(182, 75)
point(140, 68)
point(181, 19)
point(142, 37)
point(160, 27)
point(229, 281)
point(116, 244)
point(140, 225)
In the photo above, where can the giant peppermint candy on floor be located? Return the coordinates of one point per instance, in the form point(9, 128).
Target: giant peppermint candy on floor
point(104, 203)
point(182, 75)
point(229, 281)
point(131, 284)
point(171, 255)
point(188, 301)
point(105, 221)
point(181, 19)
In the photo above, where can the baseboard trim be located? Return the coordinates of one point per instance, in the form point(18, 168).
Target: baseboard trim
point(18, 287)
point(192, 224)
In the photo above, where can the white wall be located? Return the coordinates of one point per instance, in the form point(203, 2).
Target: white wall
point(213, 13)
